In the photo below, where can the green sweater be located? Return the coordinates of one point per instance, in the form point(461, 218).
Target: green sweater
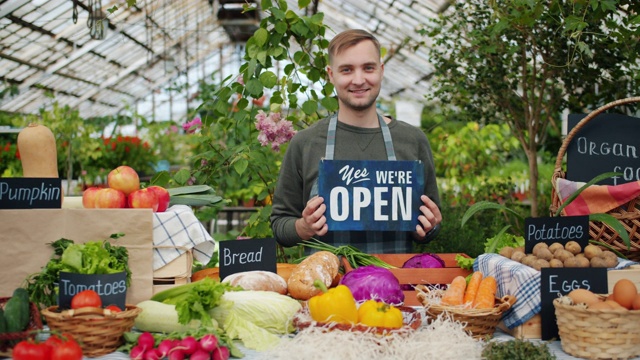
point(300, 169)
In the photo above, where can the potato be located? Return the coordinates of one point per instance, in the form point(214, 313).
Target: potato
point(591, 251)
point(529, 260)
point(555, 246)
point(539, 246)
point(573, 247)
point(555, 263)
point(608, 254)
point(598, 262)
point(610, 262)
point(563, 255)
point(571, 262)
point(583, 262)
point(507, 251)
point(517, 256)
point(544, 253)
point(541, 263)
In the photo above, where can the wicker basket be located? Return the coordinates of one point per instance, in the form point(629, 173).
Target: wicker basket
point(8, 340)
point(628, 214)
point(98, 331)
point(479, 323)
point(598, 334)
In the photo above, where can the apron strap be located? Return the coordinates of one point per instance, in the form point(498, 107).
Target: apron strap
point(331, 138)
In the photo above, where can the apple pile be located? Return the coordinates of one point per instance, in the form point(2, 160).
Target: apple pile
point(124, 192)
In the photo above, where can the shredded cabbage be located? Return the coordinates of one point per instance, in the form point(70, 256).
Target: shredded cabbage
point(257, 318)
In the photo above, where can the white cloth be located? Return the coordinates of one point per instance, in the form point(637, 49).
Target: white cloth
point(176, 231)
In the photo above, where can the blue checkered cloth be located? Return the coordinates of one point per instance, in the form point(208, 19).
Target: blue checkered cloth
point(521, 281)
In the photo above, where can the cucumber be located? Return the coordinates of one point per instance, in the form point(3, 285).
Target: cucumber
point(16, 311)
point(3, 322)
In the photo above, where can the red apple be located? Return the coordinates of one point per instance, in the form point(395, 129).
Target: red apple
point(110, 198)
point(124, 178)
point(143, 199)
point(89, 197)
point(163, 197)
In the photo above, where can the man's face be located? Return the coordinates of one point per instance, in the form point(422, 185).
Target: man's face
point(356, 73)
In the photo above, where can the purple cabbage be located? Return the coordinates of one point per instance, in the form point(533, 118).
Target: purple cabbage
point(424, 261)
point(374, 282)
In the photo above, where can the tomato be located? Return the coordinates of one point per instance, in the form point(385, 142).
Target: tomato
point(63, 347)
point(113, 308)
point(86, 298)
point(29, 350)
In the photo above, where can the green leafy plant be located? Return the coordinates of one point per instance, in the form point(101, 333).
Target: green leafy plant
point(607, 219)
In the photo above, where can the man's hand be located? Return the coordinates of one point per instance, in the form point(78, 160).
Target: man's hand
point(313, 222)
point(430, 217)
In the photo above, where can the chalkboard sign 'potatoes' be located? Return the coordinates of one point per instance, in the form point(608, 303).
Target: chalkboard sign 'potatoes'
point(38, 154)
point(557, 255)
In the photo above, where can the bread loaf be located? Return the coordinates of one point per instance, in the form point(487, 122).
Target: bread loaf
point(322, 265)
point(258, 280)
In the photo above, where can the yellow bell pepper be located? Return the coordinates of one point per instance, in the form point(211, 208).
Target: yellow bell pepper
point(333, 305)
point(377, 313)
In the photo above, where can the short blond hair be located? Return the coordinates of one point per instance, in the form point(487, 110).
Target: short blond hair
point(349, 38)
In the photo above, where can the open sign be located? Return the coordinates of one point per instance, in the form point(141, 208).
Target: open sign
point(371, 194)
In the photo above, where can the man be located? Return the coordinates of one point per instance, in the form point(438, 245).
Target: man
point(298, 214)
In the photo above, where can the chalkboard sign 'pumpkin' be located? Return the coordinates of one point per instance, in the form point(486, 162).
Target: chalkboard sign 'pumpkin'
point(38, 154)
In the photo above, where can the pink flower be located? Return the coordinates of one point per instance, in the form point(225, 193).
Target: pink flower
point(273, 130)
point(193, 125)
point(172, 129)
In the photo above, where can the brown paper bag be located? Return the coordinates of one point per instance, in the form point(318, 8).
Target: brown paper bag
point(25, 235)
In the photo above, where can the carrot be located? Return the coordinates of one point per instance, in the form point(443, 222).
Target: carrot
point(472, 288)
point(486, 296)
point(455, 292)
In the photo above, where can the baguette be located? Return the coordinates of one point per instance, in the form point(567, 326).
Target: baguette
point(258, 280)
point(322, 265)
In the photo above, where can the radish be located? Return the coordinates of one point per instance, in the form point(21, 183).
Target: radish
point(208, 342)
point(152, 354)
point(176, 354)
point(200, 355)
point(220, 353)
point(137, 352)
point(164, 347)
point(146, 340)
point(189, 345)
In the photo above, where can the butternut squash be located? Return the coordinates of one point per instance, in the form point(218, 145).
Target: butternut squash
point(38, 154)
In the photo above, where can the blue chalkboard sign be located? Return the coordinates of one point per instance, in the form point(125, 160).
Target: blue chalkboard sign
point(30, 193)
point(371, 194)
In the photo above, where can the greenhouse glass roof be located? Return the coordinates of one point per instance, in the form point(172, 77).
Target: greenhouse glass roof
point(149, 57)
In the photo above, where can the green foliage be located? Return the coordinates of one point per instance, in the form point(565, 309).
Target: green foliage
point(516, 350)
point(523, 62)
point(229, 155)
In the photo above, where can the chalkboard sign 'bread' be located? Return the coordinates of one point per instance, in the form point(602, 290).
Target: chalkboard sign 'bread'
point(38, 154)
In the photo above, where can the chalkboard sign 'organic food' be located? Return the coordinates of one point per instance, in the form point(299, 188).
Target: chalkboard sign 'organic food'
point(30, 193)
point(247, 255)
point(556, 230)
point(607, 143)
point(555, 282)
point(371, 195)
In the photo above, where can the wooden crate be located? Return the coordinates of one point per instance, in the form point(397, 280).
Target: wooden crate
point(177, 272)
point(419, 276)
point(532, 329)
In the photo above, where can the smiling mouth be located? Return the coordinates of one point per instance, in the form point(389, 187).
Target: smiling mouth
point(359, 91)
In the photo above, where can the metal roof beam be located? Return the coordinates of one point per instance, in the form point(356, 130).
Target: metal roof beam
point(11, 6)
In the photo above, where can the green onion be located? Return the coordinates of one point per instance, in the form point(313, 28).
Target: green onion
point(355, 257)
